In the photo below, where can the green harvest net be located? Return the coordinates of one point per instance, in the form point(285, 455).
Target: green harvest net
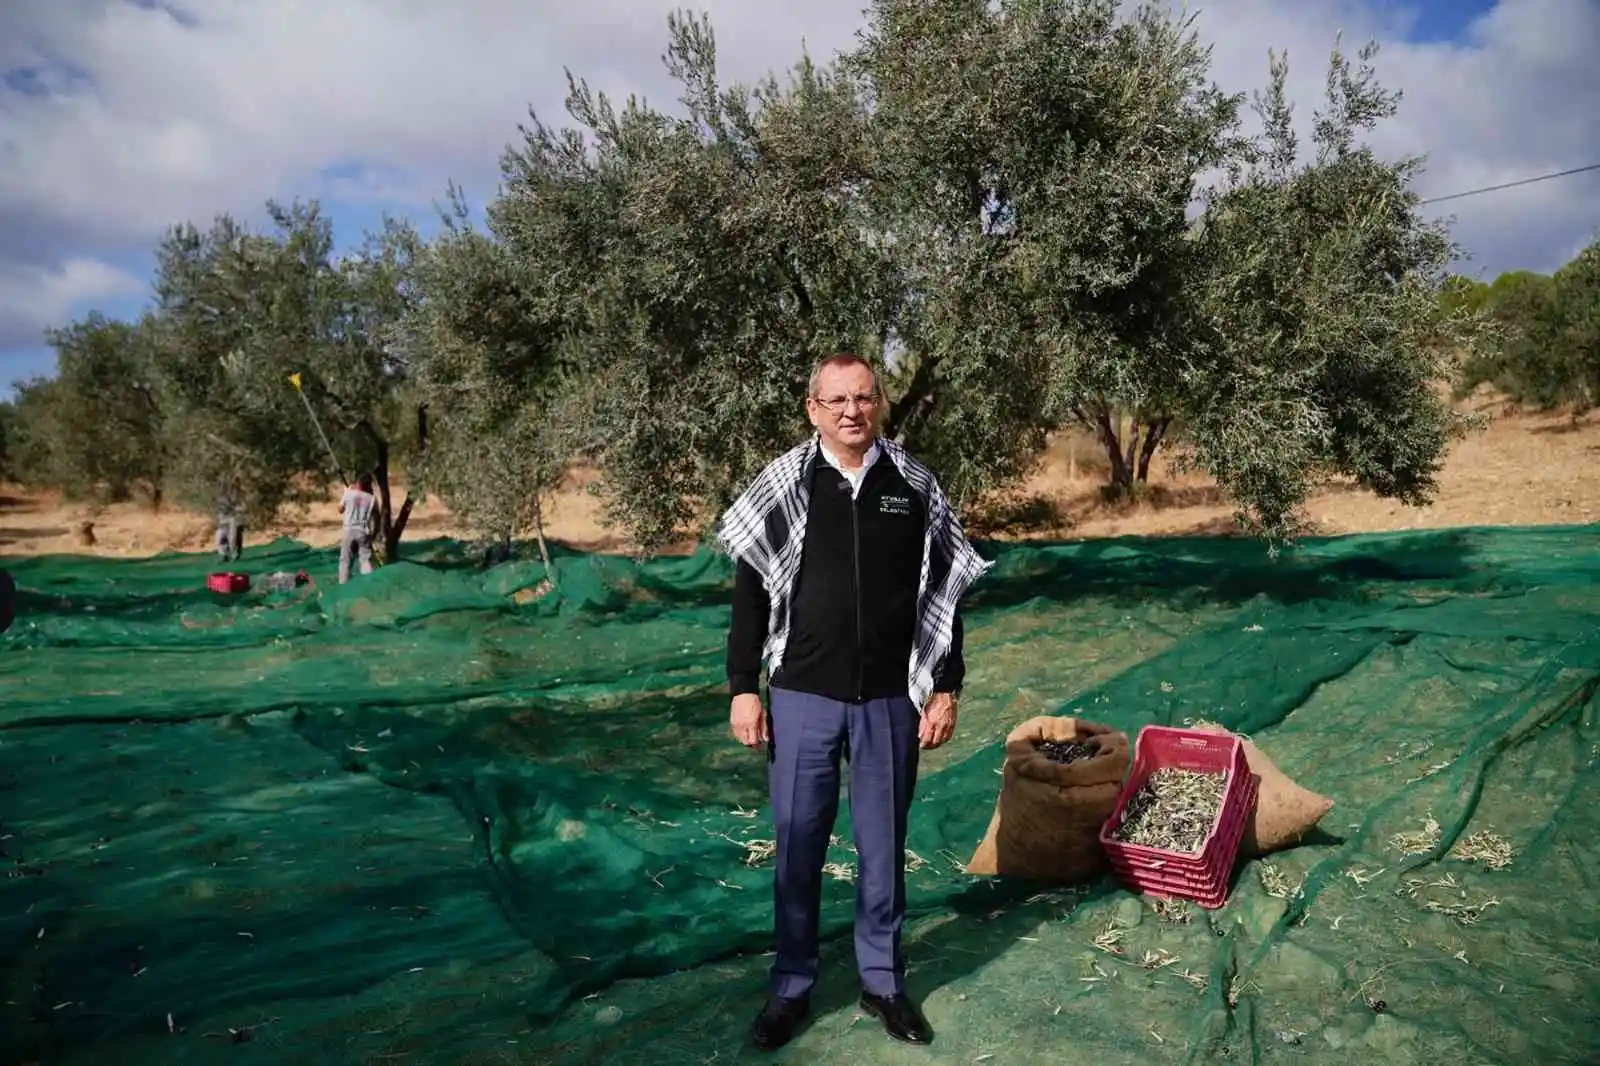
point(432, 817)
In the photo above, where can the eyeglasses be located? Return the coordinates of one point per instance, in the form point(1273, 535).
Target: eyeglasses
point(838, 404)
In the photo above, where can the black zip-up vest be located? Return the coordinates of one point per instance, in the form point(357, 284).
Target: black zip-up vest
point(854, 610)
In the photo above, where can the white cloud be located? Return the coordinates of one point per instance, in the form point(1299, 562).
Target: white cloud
point(33, 298)
point(1517, 98)
point(256, 99)
point(234, 101)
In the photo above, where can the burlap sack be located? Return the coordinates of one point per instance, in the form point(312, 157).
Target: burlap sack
point(1046, 823)
point(1285, 812)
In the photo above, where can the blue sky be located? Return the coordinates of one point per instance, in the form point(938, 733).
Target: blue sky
point(1444, 21)
point(118, 118)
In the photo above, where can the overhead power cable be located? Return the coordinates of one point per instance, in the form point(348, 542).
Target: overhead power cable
point(1510, 184)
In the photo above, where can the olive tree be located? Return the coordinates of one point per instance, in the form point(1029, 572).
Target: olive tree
point(695, 267)
point(32, 428)
point(998, 190)
point(1550, 333)
point(1033, 162)
point(241, 315)
point(10, 439)
point(1321, 343)
point(96, 429)
point(485, 354)
point(230, 412)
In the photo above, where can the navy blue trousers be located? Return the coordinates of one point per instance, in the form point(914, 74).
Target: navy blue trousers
point(878, 738)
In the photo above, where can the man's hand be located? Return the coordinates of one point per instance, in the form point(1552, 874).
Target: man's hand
point(749, 720)
point(938, 720)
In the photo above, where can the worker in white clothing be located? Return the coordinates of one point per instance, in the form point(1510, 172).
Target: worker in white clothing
point(358, 507)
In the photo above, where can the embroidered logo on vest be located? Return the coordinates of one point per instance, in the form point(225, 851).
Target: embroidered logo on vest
point(894, 504)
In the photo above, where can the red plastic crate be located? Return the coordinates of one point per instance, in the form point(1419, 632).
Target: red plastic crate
point(1201, 877)
point(1231, 819)
point(1166, 882)
point(228, 582)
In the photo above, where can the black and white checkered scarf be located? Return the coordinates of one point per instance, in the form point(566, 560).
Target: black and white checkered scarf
point(766, 527)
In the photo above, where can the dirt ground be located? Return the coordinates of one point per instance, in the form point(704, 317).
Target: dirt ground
point(1523, 469)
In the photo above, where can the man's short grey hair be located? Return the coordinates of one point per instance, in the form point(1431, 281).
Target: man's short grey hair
point(840, 359)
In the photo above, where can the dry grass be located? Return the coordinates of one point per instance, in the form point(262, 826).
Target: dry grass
point(1524, 469)
point(42, 523)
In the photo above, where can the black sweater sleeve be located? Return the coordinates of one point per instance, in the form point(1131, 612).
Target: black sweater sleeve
point(952, 670)
point(747, 634)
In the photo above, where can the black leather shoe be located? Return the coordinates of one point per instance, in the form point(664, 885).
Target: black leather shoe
point(775, 1025)
point(900, 1016)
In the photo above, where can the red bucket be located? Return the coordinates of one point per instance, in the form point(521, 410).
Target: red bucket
point(228, 582)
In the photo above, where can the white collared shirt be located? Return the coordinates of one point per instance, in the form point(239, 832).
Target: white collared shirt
point(854, 477)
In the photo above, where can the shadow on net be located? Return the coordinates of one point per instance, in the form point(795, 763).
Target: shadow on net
point(1132, 570)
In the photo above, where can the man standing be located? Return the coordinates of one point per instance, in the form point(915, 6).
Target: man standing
point(850, 568)
point(358, 507)
point(230, 521)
